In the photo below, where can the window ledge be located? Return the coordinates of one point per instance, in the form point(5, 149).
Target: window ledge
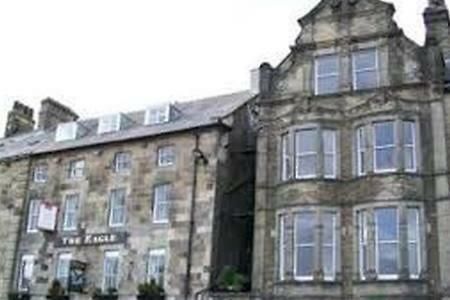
point(308, 282)
point(390, 281)
point(311, 179)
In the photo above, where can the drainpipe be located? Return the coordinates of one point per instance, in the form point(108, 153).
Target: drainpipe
point(198, 157)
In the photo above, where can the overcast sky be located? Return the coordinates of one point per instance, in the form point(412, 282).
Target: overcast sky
point(104, 56)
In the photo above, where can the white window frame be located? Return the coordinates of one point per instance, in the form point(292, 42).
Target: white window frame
point(388, 146)
point(122, 162)
point(299, 155)
point(331, 153)
point(66, 131)
point(318, 76)
point(151, 273)
point(40, 173)
point(333, 244)
point(298, 245)
point(63, 268)
point(109, 123)
point(364, 70)
point(106, 274)
point(157, 115)
point(71, 212)
point(76, 169)
point(361, 144)
point(26, 261)
point(166, 156)
point(286, 157)
point(389, 242)
point(33, 215)
point(160, 201)
point(113, 207)
point(363, 233)
point(412, 146)
point(415, 242)
point(281, 246)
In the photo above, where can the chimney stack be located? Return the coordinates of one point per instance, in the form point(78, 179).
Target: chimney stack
point(261, 80)
point(52, 113)
point(20, 120)
point(437, 24)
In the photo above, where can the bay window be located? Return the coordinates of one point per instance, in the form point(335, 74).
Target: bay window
point(326, 74)
point(384, 246)
point(311, 248)
point(315, 153)
point(392, 145)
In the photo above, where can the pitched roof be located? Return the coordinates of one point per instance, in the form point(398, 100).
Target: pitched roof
point(192, 114)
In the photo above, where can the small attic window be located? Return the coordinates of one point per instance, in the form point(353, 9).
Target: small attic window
point(158, 115)
point(66, 131)
point(109, 123)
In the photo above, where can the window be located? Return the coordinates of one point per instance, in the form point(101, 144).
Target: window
point(158, 115)
point(111, 270)
point(63, 268)
point(25, 272)
point(122, 162)
point(76, 169)
point(414, 260)
point(161, 203)
point(40, 173)
point(380, 243)
point(329, 245)
point(109, 123)
point(117, 208)
point(306, 153)
point(384, 146)
point(409, 146)
point(315, 239)
point(365, 69)
point(33, 216)
point(286, 157)
point(327, 74)
point(361, 150)
point(387, 243)
point(70, 219)
point(166, 156)
point(305, 225)
point(363, 242)
point(329, 153)
point(66, 131)
point(156, 265)
point(282, 245)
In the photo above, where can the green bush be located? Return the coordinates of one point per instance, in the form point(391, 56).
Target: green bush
point(230, 280)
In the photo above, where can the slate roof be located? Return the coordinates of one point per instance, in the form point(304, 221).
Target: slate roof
point(192, 114)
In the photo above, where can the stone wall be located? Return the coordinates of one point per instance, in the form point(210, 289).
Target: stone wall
point(13, 187)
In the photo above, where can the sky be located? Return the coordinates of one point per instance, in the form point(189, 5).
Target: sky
point(105, 56)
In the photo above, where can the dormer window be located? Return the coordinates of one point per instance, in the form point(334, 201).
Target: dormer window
point(109, 123)
point(158, 115)
point(66, 131)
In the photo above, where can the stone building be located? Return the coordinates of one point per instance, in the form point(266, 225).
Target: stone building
point(131, 196)
point(352, 181)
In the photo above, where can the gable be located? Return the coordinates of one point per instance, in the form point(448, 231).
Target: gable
point(335, 19)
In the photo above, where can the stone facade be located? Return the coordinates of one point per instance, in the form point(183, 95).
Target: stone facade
point(198, 190)
point(320, 204)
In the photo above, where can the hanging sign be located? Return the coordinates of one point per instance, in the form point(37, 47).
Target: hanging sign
point(48, 214)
